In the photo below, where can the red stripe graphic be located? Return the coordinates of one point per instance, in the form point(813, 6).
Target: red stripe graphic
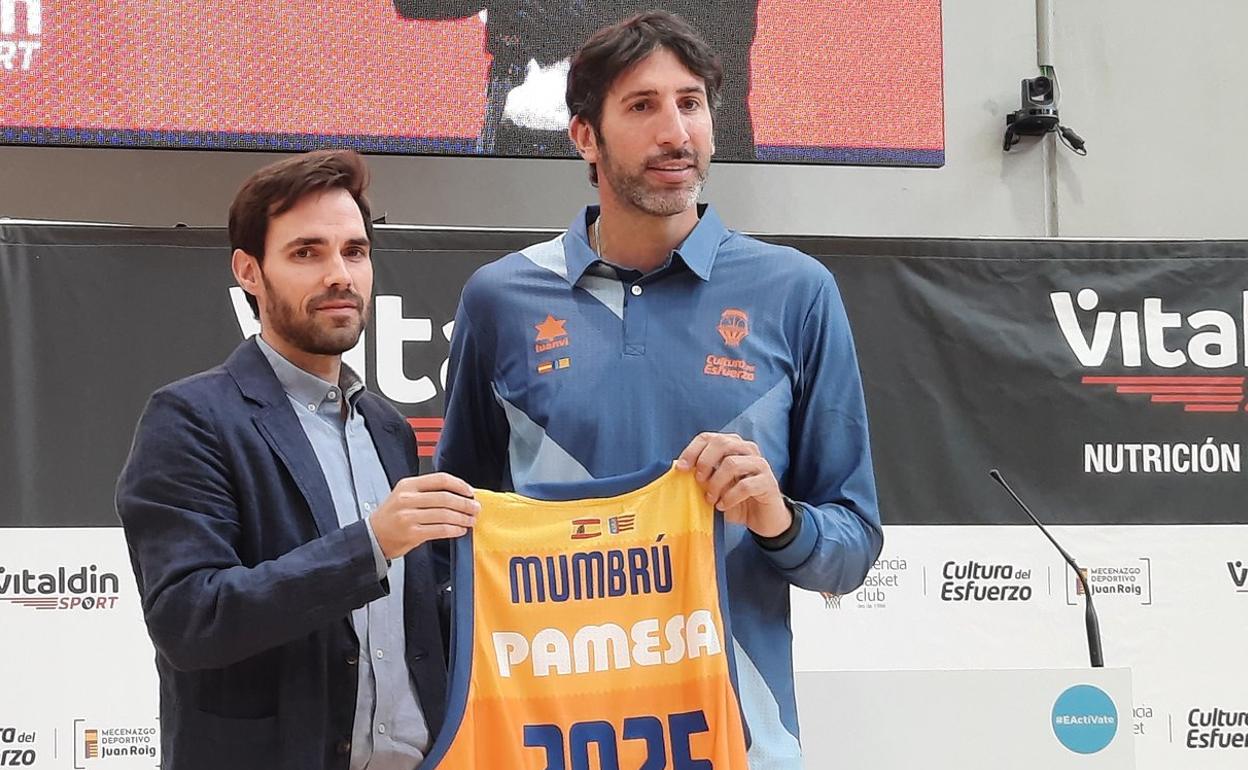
point(425, 422)
point(1196, 393)
point(1164, 380)
point(1208, 389)
point(428, 430)
point(1198, 399)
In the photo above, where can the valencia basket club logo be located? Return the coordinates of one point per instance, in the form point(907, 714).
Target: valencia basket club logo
point(734, 326)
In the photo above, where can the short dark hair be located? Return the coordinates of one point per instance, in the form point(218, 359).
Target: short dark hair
point(276, 188)
point(612, 50)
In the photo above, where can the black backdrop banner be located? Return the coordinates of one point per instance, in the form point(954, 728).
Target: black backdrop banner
point(1105, 378)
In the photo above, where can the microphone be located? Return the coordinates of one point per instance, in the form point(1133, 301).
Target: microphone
point(1094, 628)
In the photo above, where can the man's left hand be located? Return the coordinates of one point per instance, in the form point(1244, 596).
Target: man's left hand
point(738, 481)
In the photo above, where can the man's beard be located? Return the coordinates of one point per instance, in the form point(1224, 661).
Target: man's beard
point(332, 338)
point(634, 188)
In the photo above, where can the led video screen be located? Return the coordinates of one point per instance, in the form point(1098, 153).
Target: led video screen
point(811, 81)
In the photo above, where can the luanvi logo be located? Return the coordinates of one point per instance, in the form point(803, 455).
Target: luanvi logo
point(1215, 340)
point(20, 22)
point(551, 333)
point(1239, 575)
point(65, 589)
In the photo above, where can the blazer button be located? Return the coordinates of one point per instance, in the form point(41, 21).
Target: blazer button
point(419, 654)
point(353, 659)
point(344, 747)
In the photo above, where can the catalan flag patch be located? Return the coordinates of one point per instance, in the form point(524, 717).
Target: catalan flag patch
point(546, 367)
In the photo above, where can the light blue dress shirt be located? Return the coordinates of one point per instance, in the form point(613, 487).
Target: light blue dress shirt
point(390, 732)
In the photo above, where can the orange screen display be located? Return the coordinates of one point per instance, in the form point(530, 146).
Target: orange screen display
point(835, 82)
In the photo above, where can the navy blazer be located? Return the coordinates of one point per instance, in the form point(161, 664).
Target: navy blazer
point(248, 581)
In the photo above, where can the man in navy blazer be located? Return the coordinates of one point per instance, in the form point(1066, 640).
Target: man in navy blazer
point(277, 527)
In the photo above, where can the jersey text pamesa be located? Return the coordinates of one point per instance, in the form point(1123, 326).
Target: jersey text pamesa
point(606, 574)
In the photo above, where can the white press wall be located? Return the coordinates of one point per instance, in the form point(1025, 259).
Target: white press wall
point(1151, 84)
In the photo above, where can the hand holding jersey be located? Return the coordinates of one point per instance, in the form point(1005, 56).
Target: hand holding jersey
point(423, 508)
point(738, 481)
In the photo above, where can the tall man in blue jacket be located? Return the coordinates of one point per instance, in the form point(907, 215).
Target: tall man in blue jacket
point(649, 332)
point(276, 525)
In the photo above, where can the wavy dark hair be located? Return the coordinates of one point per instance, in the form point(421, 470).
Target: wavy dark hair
point(610, 51)
point(276, 188)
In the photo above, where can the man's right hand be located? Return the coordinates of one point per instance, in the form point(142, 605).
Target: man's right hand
point(423, 508)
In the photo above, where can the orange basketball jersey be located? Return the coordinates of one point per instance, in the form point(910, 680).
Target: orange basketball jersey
point(593, 634)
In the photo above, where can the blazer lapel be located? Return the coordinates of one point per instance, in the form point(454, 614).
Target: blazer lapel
point(393, 451)
point(281, 429)
point(277, 422)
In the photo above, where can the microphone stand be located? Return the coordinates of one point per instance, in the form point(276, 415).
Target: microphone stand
point(1089, 615)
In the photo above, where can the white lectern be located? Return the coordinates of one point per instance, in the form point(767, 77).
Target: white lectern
point(1030, 719)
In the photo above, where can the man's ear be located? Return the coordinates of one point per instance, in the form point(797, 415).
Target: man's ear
point(585, 138)
point(246, 271)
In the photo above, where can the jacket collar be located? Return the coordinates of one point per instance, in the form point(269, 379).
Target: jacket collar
point(697, 251)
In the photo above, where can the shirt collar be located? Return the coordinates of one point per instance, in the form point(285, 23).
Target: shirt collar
point(307, 388)
point(697, 251)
